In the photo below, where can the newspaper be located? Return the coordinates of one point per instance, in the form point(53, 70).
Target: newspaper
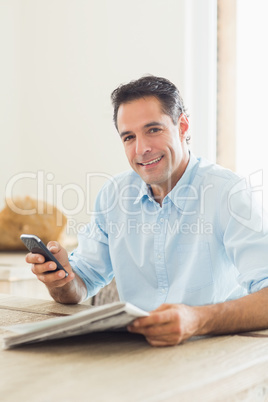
point(111, 316)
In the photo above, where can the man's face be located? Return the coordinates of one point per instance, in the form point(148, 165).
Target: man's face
point(156, 148)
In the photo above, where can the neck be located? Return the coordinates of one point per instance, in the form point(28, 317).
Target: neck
point(161, 190)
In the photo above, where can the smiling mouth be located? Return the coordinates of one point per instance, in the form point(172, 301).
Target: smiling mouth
point(151, 162)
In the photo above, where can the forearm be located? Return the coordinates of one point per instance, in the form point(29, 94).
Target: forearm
point(71, 293)
point(245, 314)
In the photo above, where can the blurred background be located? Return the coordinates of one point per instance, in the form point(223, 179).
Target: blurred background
point(61, 59)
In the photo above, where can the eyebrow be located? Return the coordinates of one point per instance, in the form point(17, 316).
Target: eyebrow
point(151, 124)
point(154, 123)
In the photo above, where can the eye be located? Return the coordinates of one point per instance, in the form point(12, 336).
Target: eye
point(154, 130)
point(127, 138)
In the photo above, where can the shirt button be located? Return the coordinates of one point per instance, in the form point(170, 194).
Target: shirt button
point(163, 290)
point(159, 256)
point(162, 220)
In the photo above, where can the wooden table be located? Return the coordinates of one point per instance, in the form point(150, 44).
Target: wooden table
point(123, 367)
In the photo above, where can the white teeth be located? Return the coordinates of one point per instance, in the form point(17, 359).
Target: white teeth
point(149, 163)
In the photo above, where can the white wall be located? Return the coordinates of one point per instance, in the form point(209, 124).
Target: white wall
point(60, 60)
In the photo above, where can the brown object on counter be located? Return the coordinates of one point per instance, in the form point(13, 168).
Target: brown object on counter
point(30, 216)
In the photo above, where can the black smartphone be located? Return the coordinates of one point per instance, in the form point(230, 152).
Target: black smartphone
point(36, 246)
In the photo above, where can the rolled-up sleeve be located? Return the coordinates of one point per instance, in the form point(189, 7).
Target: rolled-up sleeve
point(245, 235)
point(91, 259)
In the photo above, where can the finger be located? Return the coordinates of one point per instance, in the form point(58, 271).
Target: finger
point(152, 319)
point(56, 279)
point(48, 266)
point(32, 258)
point(170, 338)
point(155, 330)
point(156, 343)
point(163, 342)
point(155, 318)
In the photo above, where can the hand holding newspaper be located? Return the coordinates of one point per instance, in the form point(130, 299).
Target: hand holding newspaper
point(107, 317)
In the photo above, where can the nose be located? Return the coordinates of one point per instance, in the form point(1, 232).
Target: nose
point(142, 145)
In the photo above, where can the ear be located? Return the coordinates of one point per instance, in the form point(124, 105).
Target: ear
point(183, 124)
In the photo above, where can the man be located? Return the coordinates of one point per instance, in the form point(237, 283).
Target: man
point(182, 236)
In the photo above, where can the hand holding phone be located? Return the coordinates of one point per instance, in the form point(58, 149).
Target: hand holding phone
point(36, 246)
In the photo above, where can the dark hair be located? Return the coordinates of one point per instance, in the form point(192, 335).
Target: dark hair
point(161, 88)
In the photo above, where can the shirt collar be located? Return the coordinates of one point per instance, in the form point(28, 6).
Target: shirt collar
point(179, 193)
point(145, 191)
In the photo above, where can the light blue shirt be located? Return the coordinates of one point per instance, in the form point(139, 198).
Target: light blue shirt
point(208, 243)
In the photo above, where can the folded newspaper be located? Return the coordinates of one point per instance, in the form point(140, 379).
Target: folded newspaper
point(111, 316)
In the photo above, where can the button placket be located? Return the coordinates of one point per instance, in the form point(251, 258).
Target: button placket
point(159, 251)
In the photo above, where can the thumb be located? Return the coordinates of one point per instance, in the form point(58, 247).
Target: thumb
point(54, 247)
